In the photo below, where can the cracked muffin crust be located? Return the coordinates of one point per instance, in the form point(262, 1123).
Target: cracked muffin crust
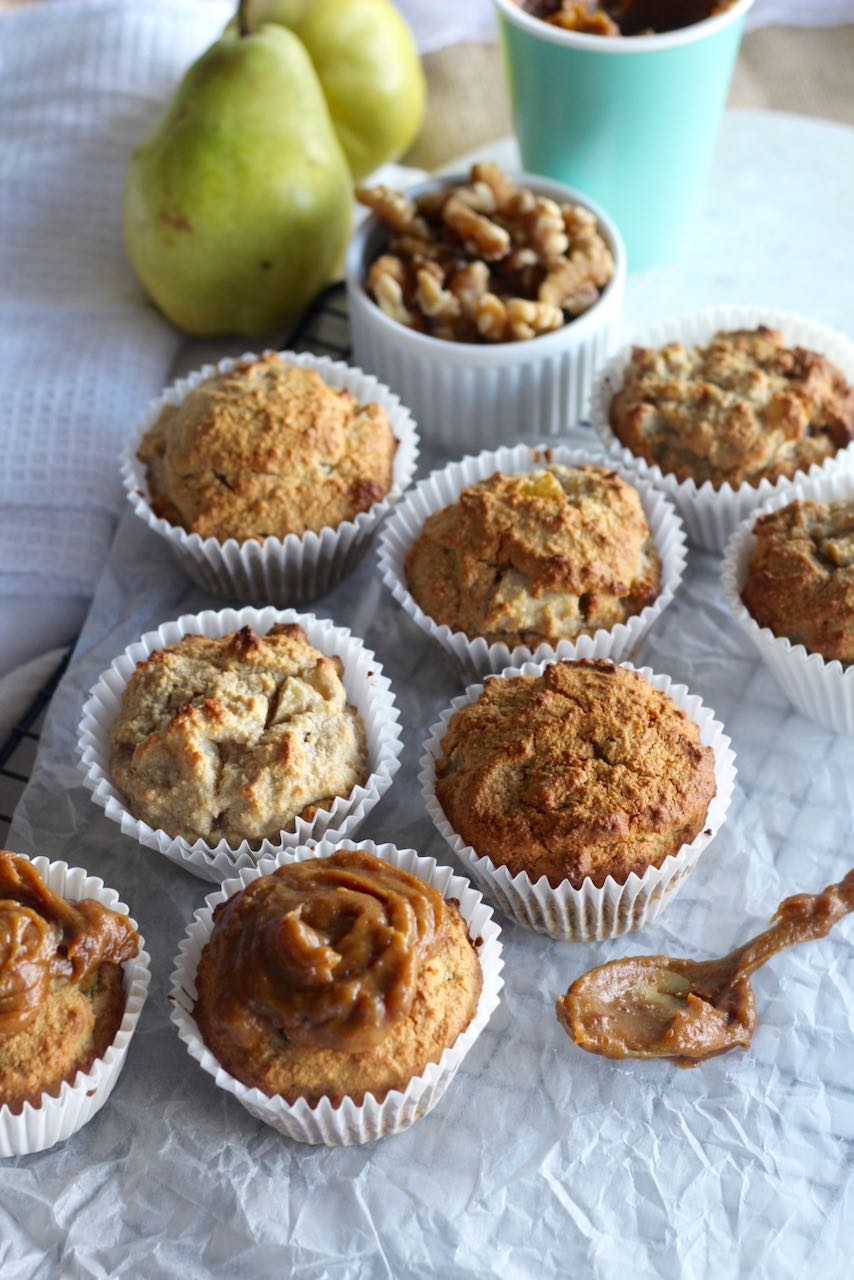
point(536, 558)
point(583, 772)
point(800, 579)
point(742, 409)
point(234, 738)
point(265, 450)
point(335, 978)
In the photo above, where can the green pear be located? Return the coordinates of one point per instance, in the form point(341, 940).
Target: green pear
point(238, 207)
point(368, 66)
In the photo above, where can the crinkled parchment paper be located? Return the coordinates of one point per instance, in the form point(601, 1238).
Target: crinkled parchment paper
point(540, 1159)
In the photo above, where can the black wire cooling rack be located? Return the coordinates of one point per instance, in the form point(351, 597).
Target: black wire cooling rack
point(324, 330)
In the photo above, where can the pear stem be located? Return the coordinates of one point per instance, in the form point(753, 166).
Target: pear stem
point(245, 21)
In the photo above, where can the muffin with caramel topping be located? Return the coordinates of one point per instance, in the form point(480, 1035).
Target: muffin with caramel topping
point(233, 738)
point(800, 577)
point(267, 449)
point(744, 408)
point(584, 772)
point(536, 558)
point(335, 977)
point(61, 986)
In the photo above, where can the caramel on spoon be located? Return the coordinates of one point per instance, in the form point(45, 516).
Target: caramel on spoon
point(688, 1010)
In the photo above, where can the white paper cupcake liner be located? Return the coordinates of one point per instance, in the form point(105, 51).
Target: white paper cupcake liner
point(444, 486)
point(286, 570)
point(348, 1123)
point(472, 396)
point(587, 914)
point(711, 515)
point(368, 691)
point(58, 1117)
point(822, 690)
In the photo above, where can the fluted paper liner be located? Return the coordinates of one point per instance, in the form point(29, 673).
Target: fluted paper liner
point(348, 1123)
point(590, 913)
point(444, 486)
point(820, 689)
point(58, 1116)
point(711, 515)
point(287, 570)
point(368, 690)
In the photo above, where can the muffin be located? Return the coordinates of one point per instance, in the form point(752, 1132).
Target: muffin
point(800, 576)
point(742, 409)
point(334, 978)
point(233, 738)
point(584, 772)
point(536, 558)
point(266, 449)
point(61, 986)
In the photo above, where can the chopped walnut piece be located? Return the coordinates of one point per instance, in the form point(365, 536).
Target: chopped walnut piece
point(529, 319)
point(480, 236)
point(502, 187)
point(389, 295)
point(469, 284)
point(487, 260)
point(491, 317)
point(395, 209)
point(433, 299)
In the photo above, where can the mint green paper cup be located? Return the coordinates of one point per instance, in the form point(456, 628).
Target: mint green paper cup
point(629, 120)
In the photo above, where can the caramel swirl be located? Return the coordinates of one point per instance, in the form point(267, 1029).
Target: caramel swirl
point(325, 952)
point(690, 1010)
point(44, 937)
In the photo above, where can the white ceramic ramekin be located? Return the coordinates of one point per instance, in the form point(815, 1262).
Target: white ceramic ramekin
point(822, 690)
point(286, 570)
point(58, 1116)
point(444, 486)
point(348, 1123)
point(587, 914)
point(469, 396)
point(711, 514)
point(368, 691)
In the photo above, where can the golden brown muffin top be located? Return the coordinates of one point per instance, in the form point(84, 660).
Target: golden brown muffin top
point(265, 450)
point(583, 772)
point(800, 579)
point(536, 558)
point(744, 408)
point(335, 977)
point(61, 997)
point(233, 738)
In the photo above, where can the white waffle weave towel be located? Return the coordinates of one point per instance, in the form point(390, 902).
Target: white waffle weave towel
point(81, 351)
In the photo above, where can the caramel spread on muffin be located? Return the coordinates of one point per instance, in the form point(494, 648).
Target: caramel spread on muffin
point(583, 772)
point(537, 558)
point(800, 579)
point(61, 993)
point(235, 738)
point(743, 409)
point(265, 450)
point(334, 978)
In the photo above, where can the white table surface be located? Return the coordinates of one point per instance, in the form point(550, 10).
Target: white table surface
point(540, 1160)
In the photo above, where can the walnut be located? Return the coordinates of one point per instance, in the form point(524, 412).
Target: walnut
point(433, 299)
point(469, 284)
point(395, 209)
point(486, 261)
point(528, 319)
